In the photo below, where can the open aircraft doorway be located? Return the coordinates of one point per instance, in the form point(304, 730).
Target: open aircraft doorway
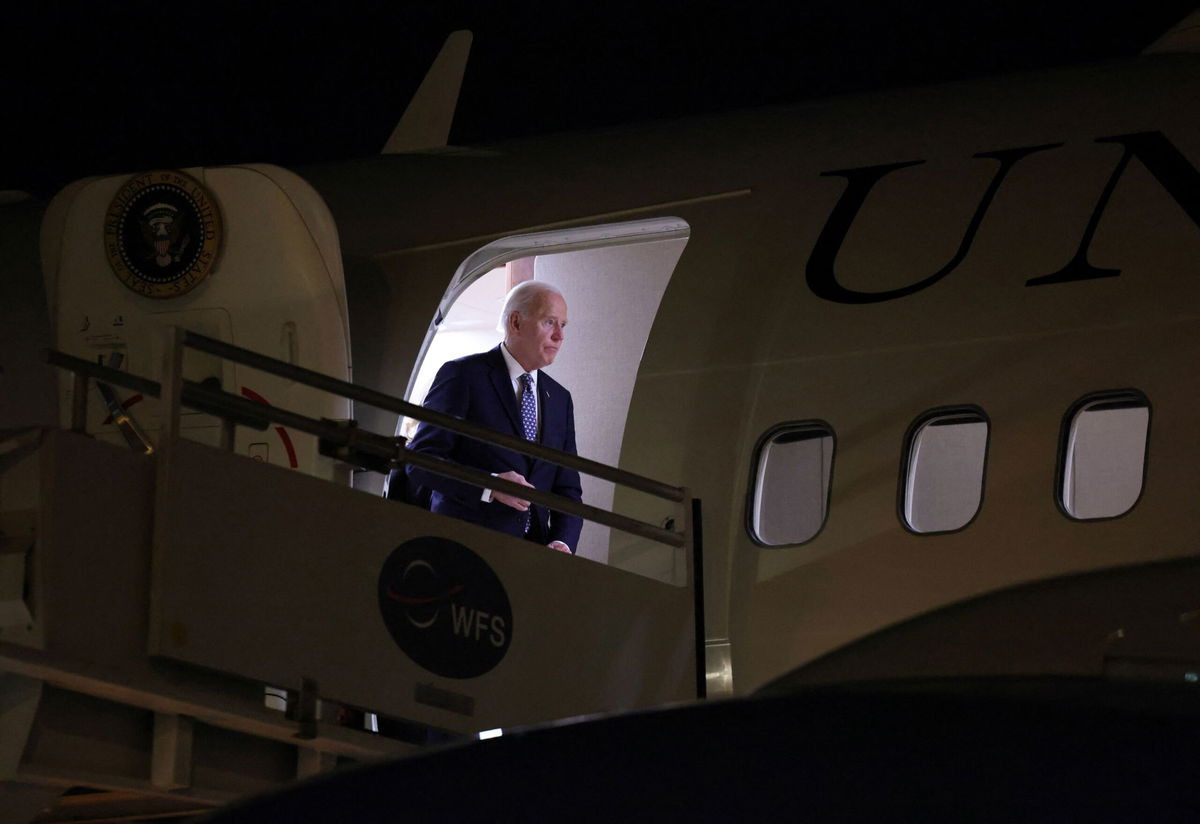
point(613, 277)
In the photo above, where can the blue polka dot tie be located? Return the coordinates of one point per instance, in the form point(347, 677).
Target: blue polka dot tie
point(528, 418)
point(528, 407)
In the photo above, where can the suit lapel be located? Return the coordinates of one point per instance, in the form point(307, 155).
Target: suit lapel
point(547, 414)
point(552, 413)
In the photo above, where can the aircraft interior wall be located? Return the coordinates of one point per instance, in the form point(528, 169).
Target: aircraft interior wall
point(469, 327)
point(615, 293)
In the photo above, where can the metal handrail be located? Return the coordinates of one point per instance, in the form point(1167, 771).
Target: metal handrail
point(259, 416)
point(390, 452)
point(420, 413)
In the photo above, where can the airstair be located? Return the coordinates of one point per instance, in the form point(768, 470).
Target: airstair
point(151, 598)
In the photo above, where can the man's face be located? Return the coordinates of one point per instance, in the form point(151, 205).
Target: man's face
point(535, 340)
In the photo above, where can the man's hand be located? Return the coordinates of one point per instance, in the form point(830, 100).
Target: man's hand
point(560, 546)
point(511, 500)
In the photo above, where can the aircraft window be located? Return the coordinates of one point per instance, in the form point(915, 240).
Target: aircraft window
point(790, 498)
point(1103, 455)
point(945, 455)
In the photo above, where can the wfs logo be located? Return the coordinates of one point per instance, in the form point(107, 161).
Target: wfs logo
point(445, 608)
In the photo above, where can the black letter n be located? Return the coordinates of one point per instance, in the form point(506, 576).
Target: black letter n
point(1170, 168)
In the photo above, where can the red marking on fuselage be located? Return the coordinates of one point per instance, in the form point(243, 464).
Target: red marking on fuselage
point(283, 433)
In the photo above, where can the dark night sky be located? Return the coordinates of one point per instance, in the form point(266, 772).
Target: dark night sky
point(112, 87)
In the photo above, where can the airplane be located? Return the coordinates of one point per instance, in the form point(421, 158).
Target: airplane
point(923, 356)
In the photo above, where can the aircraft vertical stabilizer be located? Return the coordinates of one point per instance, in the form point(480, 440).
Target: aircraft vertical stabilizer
point(1184, 36)
point(426, 122)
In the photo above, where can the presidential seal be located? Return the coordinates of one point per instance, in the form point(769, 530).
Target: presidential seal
point(162, 233)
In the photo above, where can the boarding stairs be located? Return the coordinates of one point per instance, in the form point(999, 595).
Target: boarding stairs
point(150, 597)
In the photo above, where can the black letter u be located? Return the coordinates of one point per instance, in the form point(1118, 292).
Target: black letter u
point(820, 274)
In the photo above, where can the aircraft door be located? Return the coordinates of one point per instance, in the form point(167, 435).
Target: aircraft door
point(247, 255)
point(613, 277)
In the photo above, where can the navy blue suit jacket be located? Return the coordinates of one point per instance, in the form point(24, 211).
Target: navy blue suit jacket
point(478, 388)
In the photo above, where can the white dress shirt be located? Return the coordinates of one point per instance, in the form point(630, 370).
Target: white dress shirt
point(515, 371)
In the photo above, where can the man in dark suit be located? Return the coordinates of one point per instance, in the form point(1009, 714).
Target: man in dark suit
point(505, 389)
